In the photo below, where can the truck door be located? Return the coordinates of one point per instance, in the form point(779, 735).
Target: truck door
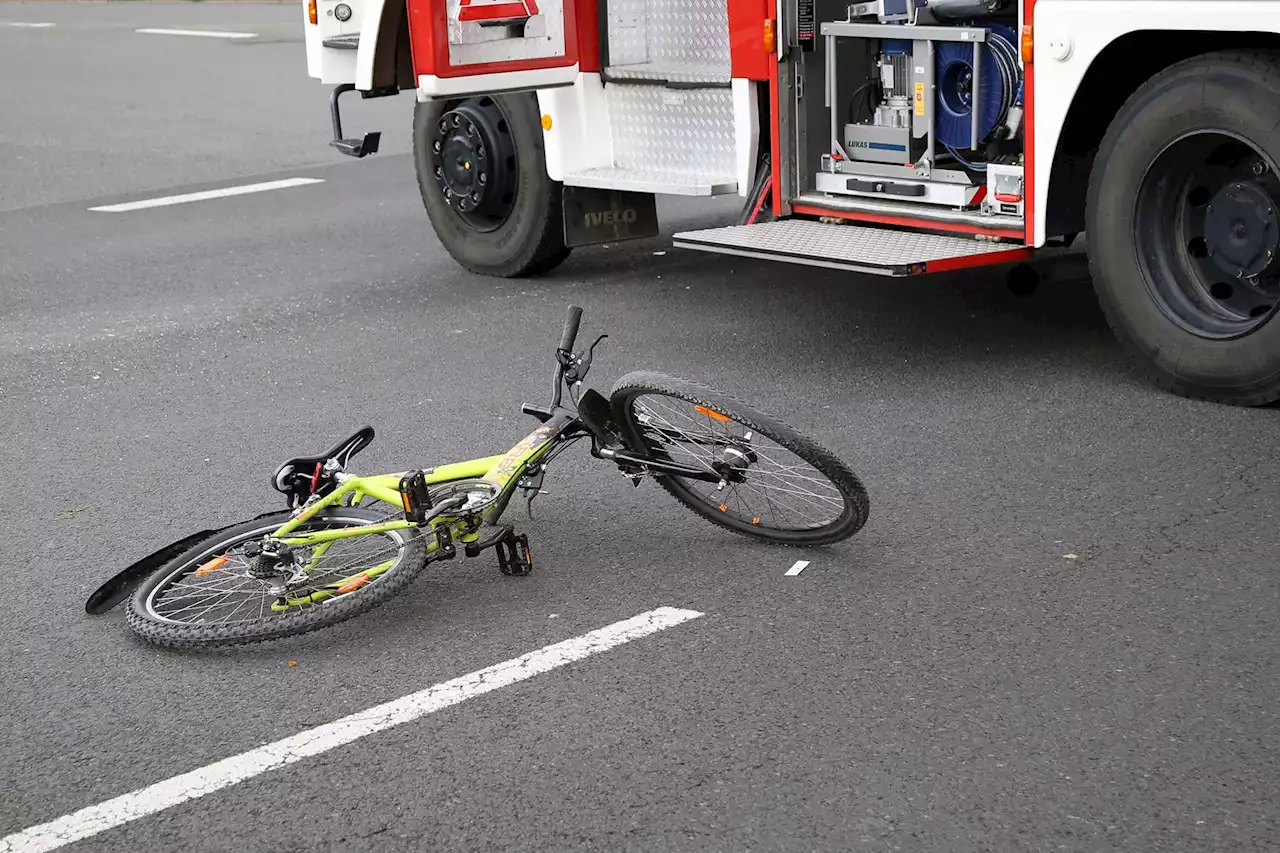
point(472, 47)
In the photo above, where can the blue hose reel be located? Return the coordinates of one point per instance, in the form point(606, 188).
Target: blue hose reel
point(998, 89)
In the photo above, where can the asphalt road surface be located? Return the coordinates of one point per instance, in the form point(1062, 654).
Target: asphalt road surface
point(1057, 631)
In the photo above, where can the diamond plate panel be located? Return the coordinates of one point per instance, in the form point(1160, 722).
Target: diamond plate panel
point(675, 72)
point(663, 34)
point(849, 244)
point(668, 130)
point(661, 183)
point(542, 37)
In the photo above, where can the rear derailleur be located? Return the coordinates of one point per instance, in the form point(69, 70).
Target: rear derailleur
point(274, 562)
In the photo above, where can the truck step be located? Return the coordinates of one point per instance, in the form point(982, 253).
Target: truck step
point(665, 141)
point(657, 181)
point(350, 41)
point(680, 72)
point(879, 251)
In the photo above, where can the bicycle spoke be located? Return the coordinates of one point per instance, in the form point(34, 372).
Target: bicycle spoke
point(226, 593)
point(778, 484)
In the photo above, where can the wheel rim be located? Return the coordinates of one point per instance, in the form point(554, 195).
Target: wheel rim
point(1207, 233)
point(473, 157)
point(187, 597)
point(779, 490)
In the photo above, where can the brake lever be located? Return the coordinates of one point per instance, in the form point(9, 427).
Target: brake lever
point(577, 372)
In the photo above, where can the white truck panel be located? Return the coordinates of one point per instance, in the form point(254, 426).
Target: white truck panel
point(1070, 34)
point(370, 26)
point(579, 136)
point(746, 132)
point(331, 66)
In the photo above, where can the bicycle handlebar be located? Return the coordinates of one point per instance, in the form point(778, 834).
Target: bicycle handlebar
point(570, 328)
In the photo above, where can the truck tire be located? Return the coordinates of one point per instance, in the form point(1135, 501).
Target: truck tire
point(1183, 226)
point(483, 178)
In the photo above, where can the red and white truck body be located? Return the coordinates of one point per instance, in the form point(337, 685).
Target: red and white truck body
point(893, 137)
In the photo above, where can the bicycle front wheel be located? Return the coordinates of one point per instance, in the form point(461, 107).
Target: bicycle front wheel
point(212, 596)
point(776, 484)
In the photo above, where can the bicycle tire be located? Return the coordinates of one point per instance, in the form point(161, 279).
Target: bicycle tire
point(856, 509)
point(156, 630)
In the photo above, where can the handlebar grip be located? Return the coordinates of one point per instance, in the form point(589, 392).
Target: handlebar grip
point(570, 328)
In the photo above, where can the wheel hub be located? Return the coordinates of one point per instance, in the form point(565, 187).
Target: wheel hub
point(1207, 234)
point(474, 162)
point(1242, 230)
point(462, 160)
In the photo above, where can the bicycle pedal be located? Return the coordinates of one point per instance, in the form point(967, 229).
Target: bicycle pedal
point(489, 536)
point(514, 556)
point(414, 495)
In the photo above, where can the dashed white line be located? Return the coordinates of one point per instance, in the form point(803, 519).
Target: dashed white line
point(34, 25)
point(797, 568)
point(211, 34)
point(230, 771)
point(243, 189)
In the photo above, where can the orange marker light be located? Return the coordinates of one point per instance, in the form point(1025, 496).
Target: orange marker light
point(312, 14)
point(1028, 42)
point(770, 36)
point(546, 122)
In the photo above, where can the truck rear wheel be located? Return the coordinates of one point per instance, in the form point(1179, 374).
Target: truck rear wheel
point(1183, 225)
point(483, 178)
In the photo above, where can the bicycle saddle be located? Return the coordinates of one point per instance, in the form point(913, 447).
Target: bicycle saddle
point(301, 476)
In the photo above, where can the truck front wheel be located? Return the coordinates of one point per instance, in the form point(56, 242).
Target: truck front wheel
point(1183, 225)
point(483, 178)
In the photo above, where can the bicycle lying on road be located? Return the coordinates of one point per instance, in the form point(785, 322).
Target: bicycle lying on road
point(330, 556)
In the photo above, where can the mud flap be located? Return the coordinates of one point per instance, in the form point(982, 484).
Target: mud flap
point(119, 587)
point(593, 216)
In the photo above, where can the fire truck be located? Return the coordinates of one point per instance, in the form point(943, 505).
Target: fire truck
point(890, 137)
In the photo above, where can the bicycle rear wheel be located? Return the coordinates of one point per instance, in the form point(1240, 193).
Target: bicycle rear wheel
point(780, 486)
point(209, 595)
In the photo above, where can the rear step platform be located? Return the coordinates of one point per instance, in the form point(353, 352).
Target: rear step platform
point(656, 181)
point(879, 251)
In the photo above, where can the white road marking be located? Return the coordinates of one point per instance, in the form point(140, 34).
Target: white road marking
point(230, 771)
point(797, 568)
point(212, 34)
point(244, 189)
point(35, 25)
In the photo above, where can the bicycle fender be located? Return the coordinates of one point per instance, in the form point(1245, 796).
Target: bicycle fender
point(118, 588)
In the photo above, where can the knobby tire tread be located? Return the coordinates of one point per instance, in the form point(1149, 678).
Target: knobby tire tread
point(304, 621)
point(806, 448)
point(1266, 64)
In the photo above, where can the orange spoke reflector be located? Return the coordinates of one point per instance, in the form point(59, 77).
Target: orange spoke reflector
point(703, 410)
point(724, 507)
point(354, 584)
point(212, 566)
point(755, 520)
